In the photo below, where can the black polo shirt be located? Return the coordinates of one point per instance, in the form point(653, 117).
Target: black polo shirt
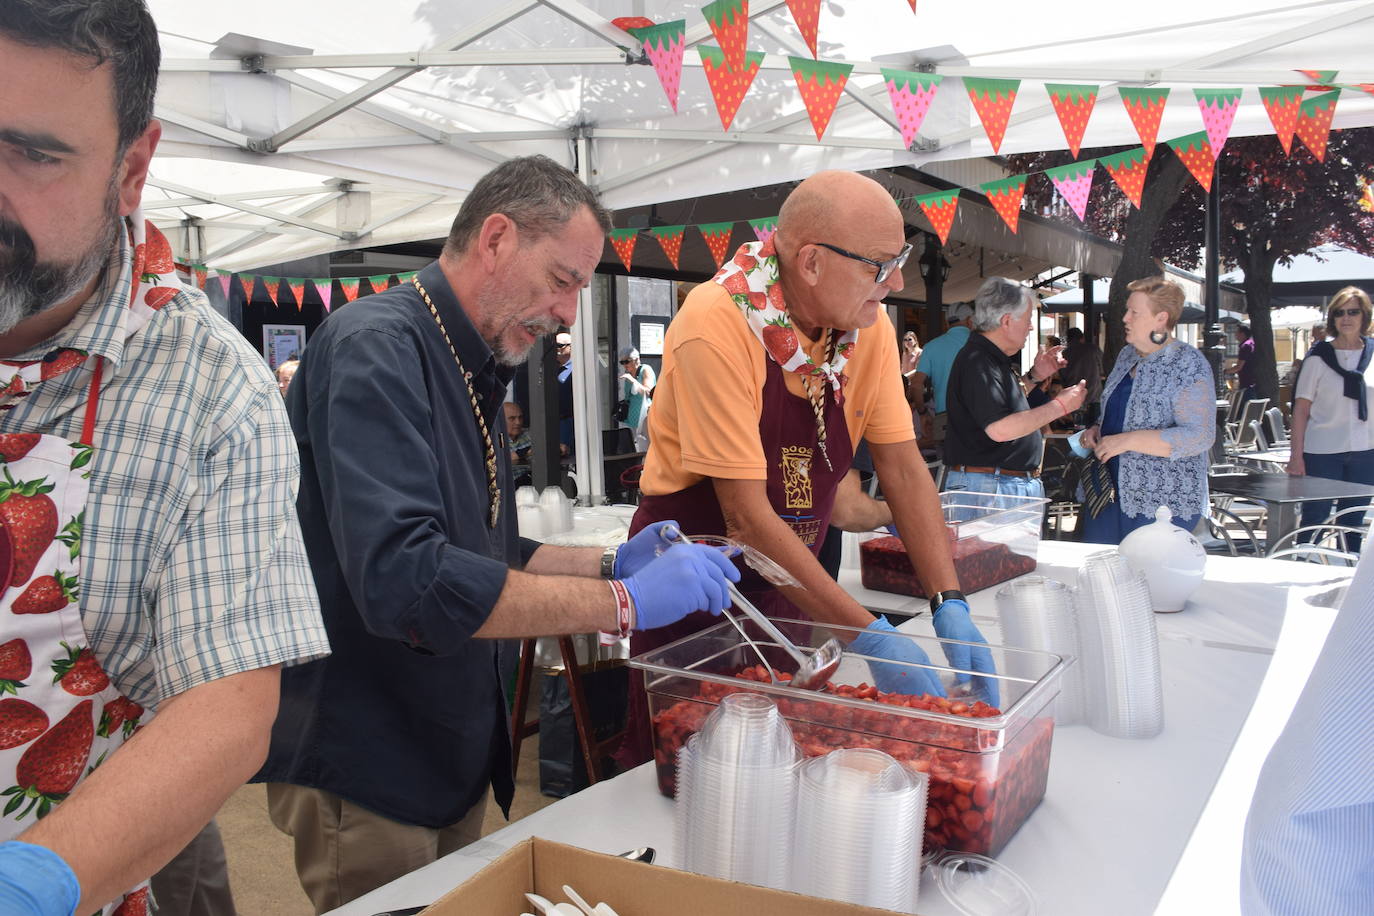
point(983, 388)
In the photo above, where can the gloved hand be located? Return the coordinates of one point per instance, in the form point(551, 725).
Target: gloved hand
point(640, 549)
point(952, 622)
point(34, 881)
point(687, 578)
point(890, 678)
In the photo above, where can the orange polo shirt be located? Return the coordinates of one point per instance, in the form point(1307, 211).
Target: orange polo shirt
point(705, 421)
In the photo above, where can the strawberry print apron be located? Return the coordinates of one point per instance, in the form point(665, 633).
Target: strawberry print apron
point(60, 715)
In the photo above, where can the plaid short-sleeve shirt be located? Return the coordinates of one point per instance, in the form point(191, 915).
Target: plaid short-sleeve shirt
point(193, 567)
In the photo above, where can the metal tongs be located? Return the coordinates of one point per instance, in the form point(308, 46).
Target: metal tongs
point(813, 671)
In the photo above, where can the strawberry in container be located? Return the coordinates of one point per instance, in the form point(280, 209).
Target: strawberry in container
point(988, 766)
point(992, 537)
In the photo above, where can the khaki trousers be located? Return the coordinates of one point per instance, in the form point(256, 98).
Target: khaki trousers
point(196, 882)
point(343, 851)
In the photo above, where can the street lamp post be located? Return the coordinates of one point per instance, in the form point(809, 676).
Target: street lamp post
point(1213, 336)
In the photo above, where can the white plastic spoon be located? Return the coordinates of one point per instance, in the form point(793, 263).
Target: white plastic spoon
point(543, 904)
point(576, 898)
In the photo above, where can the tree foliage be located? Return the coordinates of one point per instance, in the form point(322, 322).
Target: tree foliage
point(1274, 207)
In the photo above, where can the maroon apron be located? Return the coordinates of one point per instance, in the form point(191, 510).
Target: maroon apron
point(801, 490)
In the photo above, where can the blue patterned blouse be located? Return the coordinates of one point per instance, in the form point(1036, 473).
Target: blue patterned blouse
point(1173, 392)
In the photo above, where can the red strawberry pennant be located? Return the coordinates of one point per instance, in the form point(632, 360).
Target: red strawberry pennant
point(911, 95)
point(201, 275)
point(1128, 170)
point(764, 227)
point(913, 5)
point(1196, 155)
point(992, 99)
point(1005, 197)
point(807, 15)
point(821, 83)
point(1074, 105)
point(1283, 104)
point(1323, 79)
point(632, 22)
point(273, 285)
point(717, 236)
point(297, 288)
point(1218, 107)
point(729, 21)
point(663, 45)
point(670, 239)
point(1146, 108)
point(728, 86)
point(246, 281)
point(326, 290)
point(1314, 122)
point(380, 283)
point(349, 285)
point(1074, 183)
point(939, 208)
point(623, 241)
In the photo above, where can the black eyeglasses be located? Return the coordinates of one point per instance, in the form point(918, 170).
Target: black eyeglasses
point(884, 268)
point(1348, 313)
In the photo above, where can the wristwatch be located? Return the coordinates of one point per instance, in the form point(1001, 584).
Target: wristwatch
point(608, 562)
point(940, 598)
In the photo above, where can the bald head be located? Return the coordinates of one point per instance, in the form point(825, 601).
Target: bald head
point(835, 205)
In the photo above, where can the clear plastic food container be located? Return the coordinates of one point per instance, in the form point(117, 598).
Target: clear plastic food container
point(993, 538)
point(986, 774)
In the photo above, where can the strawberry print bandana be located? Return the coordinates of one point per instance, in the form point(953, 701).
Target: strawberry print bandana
point(153, 283)
point(751, 279)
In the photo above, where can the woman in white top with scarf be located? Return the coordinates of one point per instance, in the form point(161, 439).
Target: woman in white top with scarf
point(1332, 433)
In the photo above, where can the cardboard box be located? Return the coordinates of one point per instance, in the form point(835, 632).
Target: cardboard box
point(542, 867)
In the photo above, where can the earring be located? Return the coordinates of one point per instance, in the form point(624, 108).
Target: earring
point(1158, 337)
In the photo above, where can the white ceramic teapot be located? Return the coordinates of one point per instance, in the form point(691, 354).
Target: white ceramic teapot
point(1170, 558)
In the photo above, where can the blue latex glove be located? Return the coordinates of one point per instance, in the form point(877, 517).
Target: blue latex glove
point(640, 549)
point(874, 643)
point(687, 578)
point(34, 881)
point(952, 621)
point(892, 530)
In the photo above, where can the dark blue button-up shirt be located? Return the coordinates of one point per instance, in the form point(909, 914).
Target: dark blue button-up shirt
point(407, 716)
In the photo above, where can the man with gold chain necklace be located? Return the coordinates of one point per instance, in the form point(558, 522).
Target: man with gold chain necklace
point(772, 372)
point(383, 753)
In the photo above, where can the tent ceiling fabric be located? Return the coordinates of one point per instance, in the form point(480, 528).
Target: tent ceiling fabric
point(394, 112)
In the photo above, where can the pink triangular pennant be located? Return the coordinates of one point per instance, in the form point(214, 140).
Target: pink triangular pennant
point(663, 45)
point(326, 290)
point(764, 227)
point(1074, 183)
point(911, 94)
point(1218, 107)
point(224, 281)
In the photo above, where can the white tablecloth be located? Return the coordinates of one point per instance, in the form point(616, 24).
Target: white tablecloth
point(1117, 814)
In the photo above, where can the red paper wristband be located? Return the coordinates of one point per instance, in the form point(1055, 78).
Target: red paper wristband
point(624, 613)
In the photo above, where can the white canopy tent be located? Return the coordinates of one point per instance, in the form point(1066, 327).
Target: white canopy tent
point(293, 129)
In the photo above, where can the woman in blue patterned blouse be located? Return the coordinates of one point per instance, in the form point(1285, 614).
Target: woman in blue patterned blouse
point(1158, 423)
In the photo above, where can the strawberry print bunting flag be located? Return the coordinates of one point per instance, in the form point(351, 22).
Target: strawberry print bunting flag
point(224, 281)
point(1196, 155)
point(940, 208)
point(913, 5)
point(1283, 103)
point(273, 285)
point(729, 22)
point(670, 238)
point(1005, 197)
point(246, 281)
point(1128, 170)
point(201, 275)
point(632, 22)
point(1074, 183)
point(992, 99)
point(911, 95)
point(349, 285)
point(1323, 78)
point(1218, 107)
point(1314, 122)
point(623, 241)
point(764, 227)
point(717, 236)
point(1146, 108)
point(380, 282)
point(728, 86)
point(807, 15)
point(1074, 105)
point(325, 288)
point(821, 83)
point(663, 45)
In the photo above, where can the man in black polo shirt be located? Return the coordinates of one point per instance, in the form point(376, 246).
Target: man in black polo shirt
point(993, 444)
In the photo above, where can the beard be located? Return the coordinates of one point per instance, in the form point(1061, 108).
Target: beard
point(29, 287)
point(505, 316)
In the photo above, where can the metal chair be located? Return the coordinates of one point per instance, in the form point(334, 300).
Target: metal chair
point(1326, 535)
point(1275, 433)
point(1240, 433)
point(1228, 531)
point(1313, 553)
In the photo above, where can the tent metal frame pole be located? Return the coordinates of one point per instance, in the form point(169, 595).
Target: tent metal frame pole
point(591, 468)
point(1213, 336)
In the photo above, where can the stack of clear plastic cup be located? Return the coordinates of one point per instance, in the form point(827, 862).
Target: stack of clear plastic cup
point(1039, 613)
point(737, 793)
point(860, 818)
point(1116, 629)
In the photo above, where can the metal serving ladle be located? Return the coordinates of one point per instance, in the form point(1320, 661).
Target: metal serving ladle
point(814, 671)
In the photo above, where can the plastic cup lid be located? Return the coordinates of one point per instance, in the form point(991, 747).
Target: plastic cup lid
point(979, 886)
